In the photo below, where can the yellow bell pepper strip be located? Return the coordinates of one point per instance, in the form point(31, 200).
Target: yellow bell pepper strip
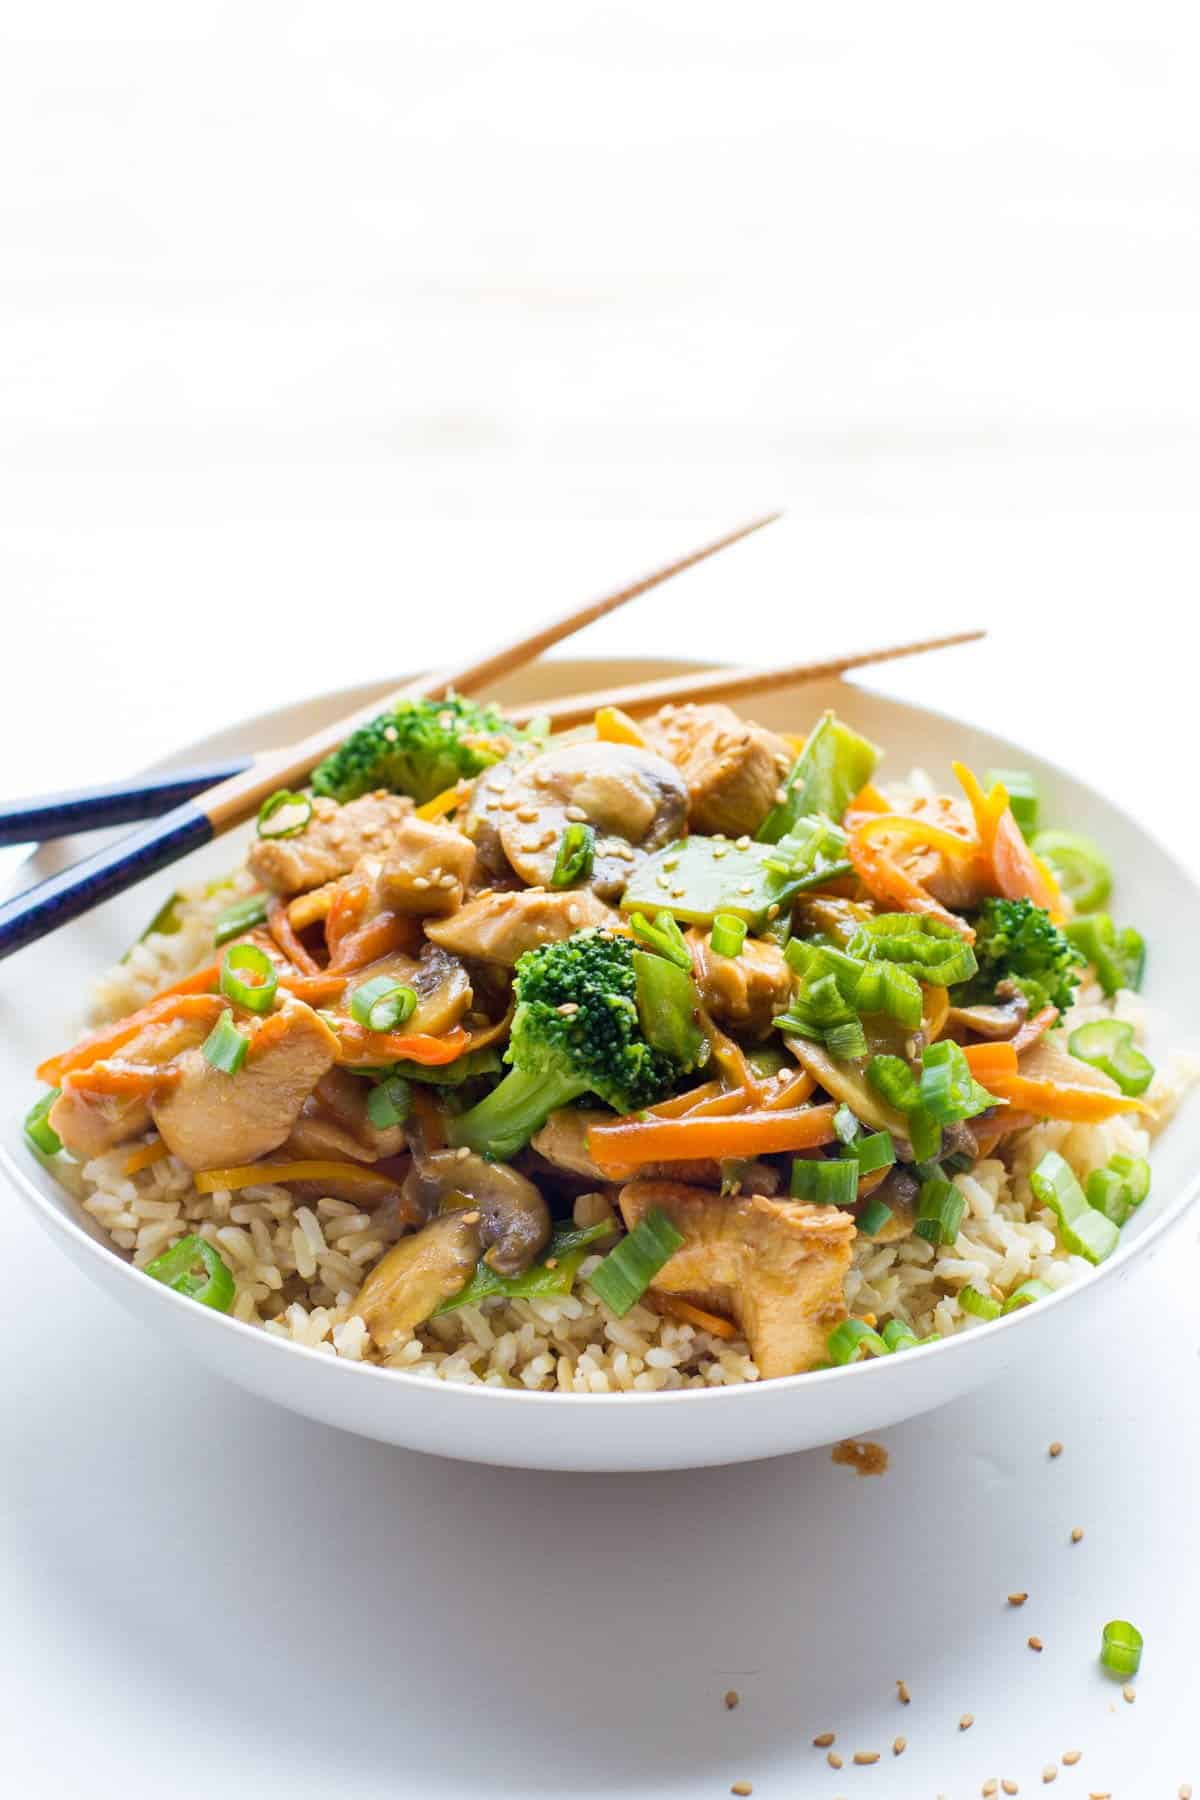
point(616, 727)
point(1014, 871)
point(268, 1174)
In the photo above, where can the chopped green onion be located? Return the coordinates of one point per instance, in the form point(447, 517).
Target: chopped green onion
point(927, 949)
point(631, 1265)
point(834, 765)
point(1118, 957)
point(553, 1274)
point(1121, 1647)
point(193, 1268)
point(1136, 1171)
point(256, 994)
point(1119, 1189)
point(576, 854)
point(873, 1217)
point(845, 1125)
point(1107, 1044)
point(1077, 865)
point(885, 988)
point(389, 1102)
point(225, 1046)
point(811, 855)
point(382, 1003)
point(1026, 1294)
point(1022, 796)
point(894, 1081)
point(38, 1128)
point(663, 935)
point(728, 935)
point(899, 1336)
point(1082, 1229)
point(851, 1340)
point(949, 1091)
point(284, 814)
point(981, 1305)
point(874, 1152)
point(846, 1041)
point(940, 1208)
point(241, 917)
point(826, 1182)
point(667, 1004)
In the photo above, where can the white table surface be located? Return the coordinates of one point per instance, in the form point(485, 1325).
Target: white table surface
point(378, 317)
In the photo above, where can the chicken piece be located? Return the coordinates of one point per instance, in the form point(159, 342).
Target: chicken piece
point(746, 991)
point(91, 1123)
point(733, 769)
point(428, 869)
point(563, 1143)
point(212, 1120)
point(500, 927)
point(330, 844)
point(777, 1267)
point(334, 1124)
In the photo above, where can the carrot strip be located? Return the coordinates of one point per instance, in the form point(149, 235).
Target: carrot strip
point(308, 909)
point(719, 1106)
point(442, 803)
point(266, 1174)
point(730, 1058)
point(200, 981)
point(280, 927)
point(988, 1060)
point(1034, 1029)
point(314, 990)
point(683, 1103)
point(142, 1158)
point(1052, 1100)
point(870, 800)
point(696, 1315)
point(616, 727)
point(1015, 872)
point(133, 1081)
point(111, 1038)
point(631, 1142)
point(387, 932)
point(360, 1046)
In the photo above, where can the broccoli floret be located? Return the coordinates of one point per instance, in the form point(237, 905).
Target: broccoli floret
point(1018, 942)
point(420, 748)
point(595, 1046)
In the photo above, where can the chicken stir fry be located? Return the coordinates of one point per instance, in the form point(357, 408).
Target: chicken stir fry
point(683, 1015)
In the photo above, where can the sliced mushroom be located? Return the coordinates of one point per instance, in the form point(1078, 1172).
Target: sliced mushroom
point(996, 1023)
point(846, 1082)
point(416, 1275)
point(441, 984)
point(514, 1222)
point(634, 798)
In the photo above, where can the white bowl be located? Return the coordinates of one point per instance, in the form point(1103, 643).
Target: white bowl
point(43, 990)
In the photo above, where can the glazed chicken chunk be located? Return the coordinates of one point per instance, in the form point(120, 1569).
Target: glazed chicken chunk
point(499, 927)
point(333, 840)
point(732, 768)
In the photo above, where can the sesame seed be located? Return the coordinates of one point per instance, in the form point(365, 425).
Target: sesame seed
point(864, 1758)
point(568, 1008)
point(1017, 1599)
point(902, 1693)
point(1130, 1694)
point(823, 1739)
point(573, 915)
point(1056, 1448)
point(720, 850)
point(781, 795)
point(576, 814)
point(1035, 1643)
point(899, 1746)
point(731, 1699)
point(745, 887)
point(1106, 1795)
point(552, 1262)
point(966, 1722)
point(773, 910)
point(670, 862)
point(470, 1218)
point(1077, 1535)
point(1050, 1773)
point(463, 1152)
point(527, 814)
point(420, 881)
point(742, 843)
point(447, 880)
point(390, 733)
point(990, 1789)
point(741, 1787)
point(677, 893)
point(833, 1759)
point(1010, 1787)
point(1071, 1757)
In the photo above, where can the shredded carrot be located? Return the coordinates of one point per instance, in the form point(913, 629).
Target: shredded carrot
point(1034, 1029)
point(1057, 1100)
point(683, 1103)
point(793, 1090)
point(311, 908)
point(986, 1060)
point(387, 932)
point(132, 1081)
point(279, 925)
point(632, 1141)
point(730, 1058)
point(442, 803)
point(360, 1046)
point(869, 800)
point(1013, 869)
point(314, 990)
point(616, 727)
point(111, 1038)
point(696, 1315)
point(142, 1158)
point(719, 1106)
point(266, 1174)
point(200, 981)
point(886, 880)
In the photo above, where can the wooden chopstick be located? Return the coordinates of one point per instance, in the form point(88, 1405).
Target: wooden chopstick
point(197, 821)
point(721, 684)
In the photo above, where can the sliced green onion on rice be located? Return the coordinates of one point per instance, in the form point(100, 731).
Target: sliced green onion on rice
point(38, 1129)
point(192, 1267)
point(631, 1265)
point(982, 1306)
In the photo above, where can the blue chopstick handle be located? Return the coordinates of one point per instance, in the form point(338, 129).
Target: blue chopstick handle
point(85, 884)
point(45, 816)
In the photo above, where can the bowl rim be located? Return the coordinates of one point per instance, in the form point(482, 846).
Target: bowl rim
point(153, 1292)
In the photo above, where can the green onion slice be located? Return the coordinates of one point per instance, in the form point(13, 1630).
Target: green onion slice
point(663, 935)
point(389, 1102)
point(239, 918)
point(631, 1265)
point(826, 1182)
point(194, 1268)
point(877, 1151)
point(845, 1125)
point(1022, 796)
point(899, 1336)
point(1082, 1229)
point(225, 1046)
point(1120, 1188)
point(948, 1089)
point(284, 814)
point(940, 1208)
point(1077, 865)
point(981, 1305)
point(249, 978)
point(1118, 957)
point(382, 1004)
point(1107, 1044)
point(851, 1340)
point(873, 1217)
point(1121, 1647)
point(927, 949)
point(38, 1129)
point(576, 855)
point(1026, 1294)
point(728, 935)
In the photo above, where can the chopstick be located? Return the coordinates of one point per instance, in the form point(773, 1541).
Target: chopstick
point(197, 821)
point(54, 815)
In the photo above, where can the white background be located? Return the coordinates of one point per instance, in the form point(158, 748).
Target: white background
point(336, 338)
